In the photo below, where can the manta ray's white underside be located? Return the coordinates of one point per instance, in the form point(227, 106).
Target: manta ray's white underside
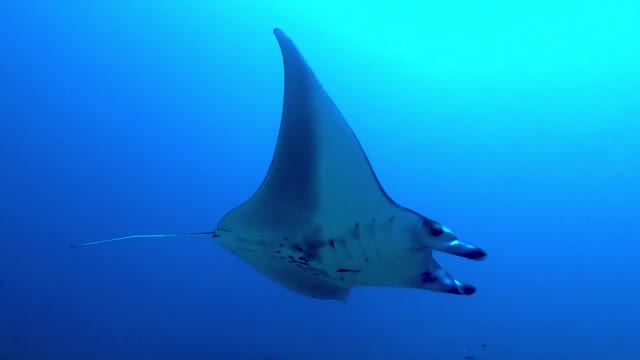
point(321, 223)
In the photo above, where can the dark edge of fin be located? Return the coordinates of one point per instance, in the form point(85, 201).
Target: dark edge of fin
point(143, 236)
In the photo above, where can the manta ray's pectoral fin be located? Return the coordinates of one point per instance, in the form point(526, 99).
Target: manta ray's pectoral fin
point(435, 278)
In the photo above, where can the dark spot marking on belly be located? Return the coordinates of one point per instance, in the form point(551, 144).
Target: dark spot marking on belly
point(348, 270)
point(278, 252)
point(428, 277)
point(302, 258)
point(312, 249)
point(332, 243)
point(281, 245)
point(298, 248)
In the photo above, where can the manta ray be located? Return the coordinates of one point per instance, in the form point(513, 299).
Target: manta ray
point(321, 223)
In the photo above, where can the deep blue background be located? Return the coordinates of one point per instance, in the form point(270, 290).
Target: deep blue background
point(515, 125)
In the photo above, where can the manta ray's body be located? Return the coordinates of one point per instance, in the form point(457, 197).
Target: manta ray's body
point(321, 223)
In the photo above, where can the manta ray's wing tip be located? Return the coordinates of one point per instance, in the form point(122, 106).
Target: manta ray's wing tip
point(281, 37)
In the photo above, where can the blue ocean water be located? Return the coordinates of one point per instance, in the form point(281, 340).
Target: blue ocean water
point(515, 124)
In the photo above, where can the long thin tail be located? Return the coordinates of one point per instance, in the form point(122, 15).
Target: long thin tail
point(143, 236)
